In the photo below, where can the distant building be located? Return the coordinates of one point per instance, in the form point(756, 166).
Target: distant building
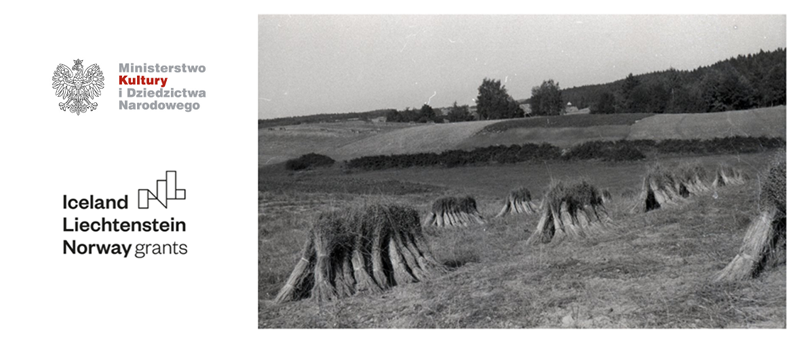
point(474, 112)
point(526, 108)
point(570, 108)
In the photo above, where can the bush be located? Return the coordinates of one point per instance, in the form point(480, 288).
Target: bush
point(309, 161)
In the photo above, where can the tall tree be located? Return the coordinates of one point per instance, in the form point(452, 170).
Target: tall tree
point(459, 113)
point(494, 103)
point(426, 113)
point(546, 99)
point(775, 90)
point(627, 93)
point(605, 105)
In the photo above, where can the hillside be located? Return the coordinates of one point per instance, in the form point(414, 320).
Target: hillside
point(753, 122)
point(349, 140)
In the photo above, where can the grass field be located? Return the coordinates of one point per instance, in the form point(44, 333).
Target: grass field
point(752, 122)
point(578, 121)
point(563, 136)
point(426, 138)
point(278, 144)
point(648, 270)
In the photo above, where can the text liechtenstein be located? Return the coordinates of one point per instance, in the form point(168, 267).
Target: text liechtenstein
point(115, 225)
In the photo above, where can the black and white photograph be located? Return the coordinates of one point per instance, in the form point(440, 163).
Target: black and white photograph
point(522, 171)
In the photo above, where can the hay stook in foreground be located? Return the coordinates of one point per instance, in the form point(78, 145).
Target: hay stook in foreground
point(454, 211)
point(765, 241)
point(370, 248)
point(575, 210)
point(518, 202)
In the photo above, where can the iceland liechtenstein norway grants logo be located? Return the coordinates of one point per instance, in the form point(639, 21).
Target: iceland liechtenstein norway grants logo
point(78, 88)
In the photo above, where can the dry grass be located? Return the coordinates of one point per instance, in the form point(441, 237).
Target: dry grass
point(655, 275)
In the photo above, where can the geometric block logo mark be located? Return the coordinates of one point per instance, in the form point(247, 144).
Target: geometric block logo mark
point(166, 189)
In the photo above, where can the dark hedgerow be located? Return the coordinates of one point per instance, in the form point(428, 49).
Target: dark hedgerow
point(453, 158)
point(309, 161)
point(726, 145)
point(605, 150)
point(622, 150)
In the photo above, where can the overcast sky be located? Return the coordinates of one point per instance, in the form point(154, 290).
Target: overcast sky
point(338, 64)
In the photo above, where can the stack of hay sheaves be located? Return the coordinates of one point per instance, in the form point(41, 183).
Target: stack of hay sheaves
point(369, 248)
point(727, 175)
point(575, 210)
point(518, 202)
point(454, 211)
point(662, 187)
point(765, 241)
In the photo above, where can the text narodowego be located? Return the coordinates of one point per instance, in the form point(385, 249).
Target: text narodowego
point(161, 83)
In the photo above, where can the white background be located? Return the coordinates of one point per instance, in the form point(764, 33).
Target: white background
point(209, 295)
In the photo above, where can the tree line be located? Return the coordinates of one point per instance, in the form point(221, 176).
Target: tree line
point(743, 82)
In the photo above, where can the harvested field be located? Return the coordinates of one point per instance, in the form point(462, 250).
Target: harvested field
point(423, 138)
point(278, 144)
point(654, 270)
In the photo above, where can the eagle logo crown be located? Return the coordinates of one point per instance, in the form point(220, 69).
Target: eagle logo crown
point(78, 88)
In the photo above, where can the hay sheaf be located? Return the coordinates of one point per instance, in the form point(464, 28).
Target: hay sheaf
point(358, 249)
point(518, 202)
point(774, 187)
point(765, 241)
point(606, 196)
point(662, 187)
point(575, 210)
point(727, 175)
point(454, 211)
point(693, 177)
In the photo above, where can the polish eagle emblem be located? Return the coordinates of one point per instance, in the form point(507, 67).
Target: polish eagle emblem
point(78, 88)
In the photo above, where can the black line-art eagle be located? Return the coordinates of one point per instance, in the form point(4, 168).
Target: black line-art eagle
point(79, 88)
